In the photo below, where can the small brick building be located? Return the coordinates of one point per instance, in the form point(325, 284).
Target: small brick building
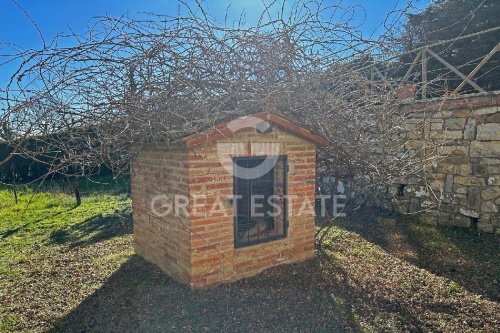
point(202, 207)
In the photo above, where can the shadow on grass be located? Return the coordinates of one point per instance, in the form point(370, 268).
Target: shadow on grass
point(304, 297)
point(456, 253)
point(92, 230)
point(14, 231)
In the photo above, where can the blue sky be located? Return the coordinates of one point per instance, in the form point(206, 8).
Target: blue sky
point(59, 16)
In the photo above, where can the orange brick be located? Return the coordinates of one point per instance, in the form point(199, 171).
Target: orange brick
point(189, 248)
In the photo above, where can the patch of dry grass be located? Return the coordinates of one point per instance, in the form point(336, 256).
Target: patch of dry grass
point(83, 277)
point(395, 295)
point(471, 260)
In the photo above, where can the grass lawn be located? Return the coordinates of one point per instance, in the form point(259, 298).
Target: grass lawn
point(66, 269)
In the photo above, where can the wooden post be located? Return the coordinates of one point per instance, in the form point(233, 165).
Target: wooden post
point(424, 73)
point(382, 76)
point(408, 72)
point(372, 79)
point(456, 71)
point(478, 67)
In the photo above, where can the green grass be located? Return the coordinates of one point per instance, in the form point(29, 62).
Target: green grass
point(47, 223)
point(37, 218)
point(68, 269)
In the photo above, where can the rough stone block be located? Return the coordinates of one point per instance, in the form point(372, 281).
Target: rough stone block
point(459, 221)
point(448, 185)
point(439, 134)
point(414, 144)
point(459, 199)
point(492, 169)
point(402, 207)
point(485, 110)
point(414, 135)
point(474, 198)
point(442, 114)
point(437, 175)
point(485, 217)
point(488, 132)
point(460, 189)
point(469, 181)
point(470, 129)
point(436, 126)
point(447, 198)
point(454, 123)
point(485, 149)
point(453, 150)
point(436, 185)
point(493, 180)
point(490, 161)
point(461, 114)
point(489, 207)
point(449, 208)
point(495, 220)
point(468, 212)
point(490, 193)
point(453, 134)
point(455, 169)
point(478, 169)
point(430, 217)
point(485, 227)
point(494, 118)
point(443, 218)
point(414, 205)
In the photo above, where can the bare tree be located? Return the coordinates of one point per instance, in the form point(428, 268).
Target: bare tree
point(129, 82)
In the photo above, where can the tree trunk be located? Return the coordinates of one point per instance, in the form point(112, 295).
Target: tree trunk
point(76, 188)
point(73, 180)
point(13, 170)
point(15, 193)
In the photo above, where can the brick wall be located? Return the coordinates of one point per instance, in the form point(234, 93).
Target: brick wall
point(163, 240)
point(214, 258)
point(467, 131)
point(199, 249)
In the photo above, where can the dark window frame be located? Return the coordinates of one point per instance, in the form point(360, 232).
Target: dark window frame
point(239, 244)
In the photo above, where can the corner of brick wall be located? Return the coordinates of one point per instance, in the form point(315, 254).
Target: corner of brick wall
point(162, 240)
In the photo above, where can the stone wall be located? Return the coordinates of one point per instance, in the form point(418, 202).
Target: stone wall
point(465, 131)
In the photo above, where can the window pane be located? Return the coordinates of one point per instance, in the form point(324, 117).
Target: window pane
point(260, 208)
